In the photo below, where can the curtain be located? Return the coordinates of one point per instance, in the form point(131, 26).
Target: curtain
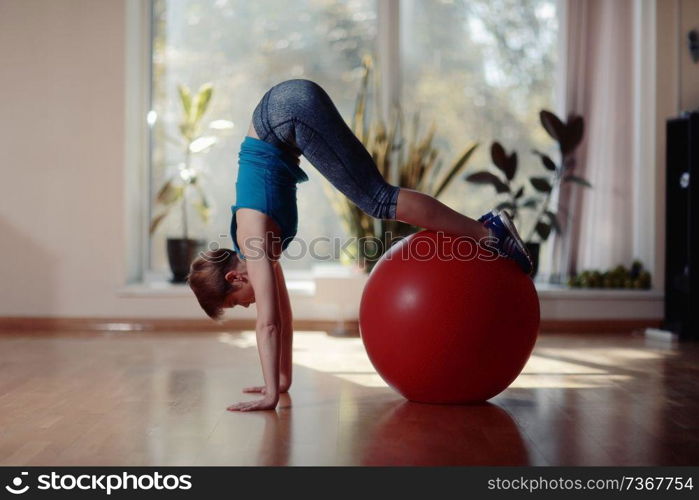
point(599, 86)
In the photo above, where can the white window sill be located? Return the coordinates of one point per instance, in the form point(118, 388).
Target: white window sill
point(166, 289)
point(305, 284)
point(549, 291)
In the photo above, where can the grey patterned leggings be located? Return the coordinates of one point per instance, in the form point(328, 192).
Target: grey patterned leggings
point(299, 116)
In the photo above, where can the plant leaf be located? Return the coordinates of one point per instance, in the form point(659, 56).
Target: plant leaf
point(577, 180)
point(553, 125)
point(506, 164)
point(185, 99)
point(169, 193)
point(553, 220)
point(545, 160)
point(484, 177)
point(221, 125)
point(186, 126)
point(575, 128)
point(186, 131)
point(511, 166)
point(202, 144)
point(203, 211)
point(498, 155)
point(157, 220)
point(506, 204)
point(529, 203)
point(455, 169)
point(543, 230)
point(201, 102)
point(541, 184)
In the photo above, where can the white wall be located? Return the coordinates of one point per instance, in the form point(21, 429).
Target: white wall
point(62, 154)
point(61, 147)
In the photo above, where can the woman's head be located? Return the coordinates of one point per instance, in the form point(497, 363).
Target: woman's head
point(219, 279)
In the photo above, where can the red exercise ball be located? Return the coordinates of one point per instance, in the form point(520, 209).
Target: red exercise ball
point(445, 320)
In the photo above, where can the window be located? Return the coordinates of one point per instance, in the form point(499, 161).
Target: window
point(243, 48)
point(481, 69)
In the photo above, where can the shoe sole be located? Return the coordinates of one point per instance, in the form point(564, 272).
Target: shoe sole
point(505, 218)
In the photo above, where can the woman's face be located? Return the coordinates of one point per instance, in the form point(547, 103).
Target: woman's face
point(243, 295)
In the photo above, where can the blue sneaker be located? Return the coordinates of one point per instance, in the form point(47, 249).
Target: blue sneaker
point(486, 217)
point(509, 243)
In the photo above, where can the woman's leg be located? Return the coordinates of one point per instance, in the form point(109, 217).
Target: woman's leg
point(299, 116)
point(423, 210)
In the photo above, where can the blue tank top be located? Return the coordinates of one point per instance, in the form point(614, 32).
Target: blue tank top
point(267, 178)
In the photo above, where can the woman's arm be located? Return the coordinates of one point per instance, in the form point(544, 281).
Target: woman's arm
point(286, 335)
point(262, 276)
point(287, 330)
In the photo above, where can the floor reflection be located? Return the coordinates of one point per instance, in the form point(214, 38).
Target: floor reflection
point(419, 434)
point(275, 442)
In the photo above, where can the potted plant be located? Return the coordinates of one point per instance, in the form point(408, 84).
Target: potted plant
point(418, 166)
point(182, 189)
point(633, 277)
point(545, 219)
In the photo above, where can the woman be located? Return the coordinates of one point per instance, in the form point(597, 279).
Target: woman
point(298, 117)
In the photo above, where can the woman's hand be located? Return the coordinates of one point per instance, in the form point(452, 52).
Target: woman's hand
point(266, 403)
point(261, 389)
point(256, 390)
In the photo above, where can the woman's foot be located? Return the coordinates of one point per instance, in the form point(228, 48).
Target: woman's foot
point(509, 243)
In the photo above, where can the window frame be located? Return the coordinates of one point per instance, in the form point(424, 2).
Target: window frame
point(137, 137)
point(138, 134)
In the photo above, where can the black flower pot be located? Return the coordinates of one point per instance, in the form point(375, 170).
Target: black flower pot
point(534, 252)
point(180, 253)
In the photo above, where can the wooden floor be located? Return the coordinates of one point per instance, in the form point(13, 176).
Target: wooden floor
point(99, 398)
